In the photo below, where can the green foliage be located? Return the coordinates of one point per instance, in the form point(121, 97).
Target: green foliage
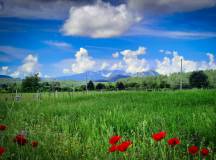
point(199, 79)
point(100, 86)
point(90, 86)
point(120, 86)
point(31, 83)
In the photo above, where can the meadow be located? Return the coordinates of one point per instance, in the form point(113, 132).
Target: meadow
point(73, 126)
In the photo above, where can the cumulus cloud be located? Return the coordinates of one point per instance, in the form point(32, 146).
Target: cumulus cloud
point(100, 20)
point(30, 66)
point(63, 45)
point(173, 64)
point(4, 70)
point(115, 55)
point(133, 63)
point(83, 62)
point(117, 66)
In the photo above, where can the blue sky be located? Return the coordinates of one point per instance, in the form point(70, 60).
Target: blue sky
point(85, 36)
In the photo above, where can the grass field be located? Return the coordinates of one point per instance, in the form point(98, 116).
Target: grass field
point(78, 126)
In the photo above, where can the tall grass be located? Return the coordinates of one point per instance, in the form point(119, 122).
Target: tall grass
point(78, 126)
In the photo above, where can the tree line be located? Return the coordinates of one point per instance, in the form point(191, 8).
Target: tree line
point(196, 79)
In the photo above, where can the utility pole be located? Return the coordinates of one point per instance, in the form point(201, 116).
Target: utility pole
point(181, 77)
point(86, 84)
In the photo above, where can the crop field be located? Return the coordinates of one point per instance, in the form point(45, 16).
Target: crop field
point(78, 126)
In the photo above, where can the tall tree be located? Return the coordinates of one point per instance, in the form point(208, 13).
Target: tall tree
point(120, 86)
point(31, 83)
point(198, 79)
point(90, 85)
point(100, 86)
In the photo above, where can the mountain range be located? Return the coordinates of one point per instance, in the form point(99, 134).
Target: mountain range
point(105, 76)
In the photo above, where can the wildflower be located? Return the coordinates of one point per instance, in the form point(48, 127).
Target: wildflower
point(204, 151)
point(2, 150)
point(2, 127)
point(173, 141)
point(193, 150)
point(114, 139)
point(159, 136)
point(34, 144)
point(20, 139)
point(124, 146)
point(113, 148)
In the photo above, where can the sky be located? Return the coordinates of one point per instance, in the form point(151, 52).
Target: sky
point(65, 37)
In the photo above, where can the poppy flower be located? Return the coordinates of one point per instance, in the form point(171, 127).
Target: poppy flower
point(159, 136)
point(114, 139)
point(113, 148)
point(2, 150)
point(2, 127)
point(204, 151)
point(124, 146)
point(193, 150)
point(20, 139)
point(34, 144)
point(173, 141)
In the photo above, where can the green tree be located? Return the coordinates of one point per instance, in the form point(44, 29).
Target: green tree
point(120, 86)
point(90, 85)
point(31, 83)
point(100, 86)
point(198, 79)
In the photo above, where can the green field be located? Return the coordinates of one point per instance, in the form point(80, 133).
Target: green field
point(78, 126)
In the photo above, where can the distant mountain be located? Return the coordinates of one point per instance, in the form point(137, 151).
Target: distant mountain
point(147, 73)
point(99, 76)
point(105, 76)
point(5, 77)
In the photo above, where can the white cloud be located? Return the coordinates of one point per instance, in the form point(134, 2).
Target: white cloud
point(172, 65)
point(169, 6)
point(11, 53)
point(101, 20)
point(83, 62)
point(46, 76)
point(30, 66)
point(107, 75)
point(63, 45)
point(35, 9)
point(140, 30)
point(15, 74)
point(104, 65)
point(4, 70)
point(115, 55)
point(117, 66)
point(133, 63)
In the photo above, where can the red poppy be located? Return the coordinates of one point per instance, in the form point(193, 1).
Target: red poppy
point(193, 150)
point(2, 127)
point(20, 139)
point(34, 144)
point(204, 152)
point(159, 136)
point(114, 139)
point(173, 141)
point(124, 146)
point(113, 148)
point(2, 150)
